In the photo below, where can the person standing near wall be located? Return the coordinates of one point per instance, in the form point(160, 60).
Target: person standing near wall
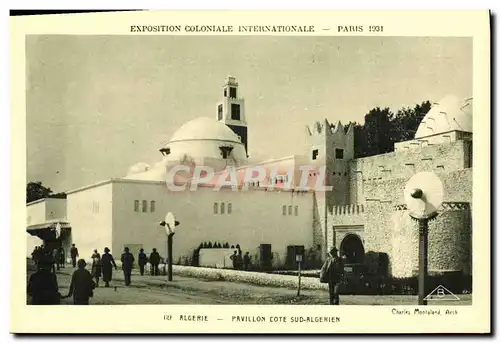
point(127, 263)
point(107, 264)
point(331, 273)
point(246, 260)
point(74, 254)
point(239, 258)
point(154, 259)
point(62, 257)
point(142, 259)
point(234, 258)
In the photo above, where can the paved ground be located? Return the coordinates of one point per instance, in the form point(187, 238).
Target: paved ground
point(182, 290)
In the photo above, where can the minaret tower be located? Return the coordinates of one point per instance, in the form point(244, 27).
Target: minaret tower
point(231, 110)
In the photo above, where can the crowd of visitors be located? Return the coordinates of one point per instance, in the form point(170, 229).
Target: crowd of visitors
point(43, 287)
point(44, 290)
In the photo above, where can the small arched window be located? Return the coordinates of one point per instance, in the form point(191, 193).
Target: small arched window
point(296, 210)
point(221, 208)
point(229, 208)
point(153, 206)
point(284, 210)
point(290, 210)
point(216, 208)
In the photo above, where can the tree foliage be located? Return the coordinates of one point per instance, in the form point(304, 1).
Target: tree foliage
point(36, 191)
point(383, 128)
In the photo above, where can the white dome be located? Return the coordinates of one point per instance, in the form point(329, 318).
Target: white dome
point(205, 128)
point(449, 114)
point(206, 141)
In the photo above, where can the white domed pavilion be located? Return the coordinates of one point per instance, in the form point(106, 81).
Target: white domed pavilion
point(449, 114)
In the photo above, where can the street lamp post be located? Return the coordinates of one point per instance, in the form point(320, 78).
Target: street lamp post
point(169, 243)
point(298, 258)
point(169, 223)
point(423, 196)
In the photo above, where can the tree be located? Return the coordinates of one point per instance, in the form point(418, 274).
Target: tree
point(375, 134)
point(35, 191)
point(407, 120)
point(382, 129)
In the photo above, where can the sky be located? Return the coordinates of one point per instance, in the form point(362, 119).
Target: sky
point(96, 105)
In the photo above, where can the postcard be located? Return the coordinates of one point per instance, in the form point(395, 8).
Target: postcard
point(316, 172)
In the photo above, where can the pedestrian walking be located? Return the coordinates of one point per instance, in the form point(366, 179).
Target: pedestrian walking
point(96, 267)
point(82, 285)
point(74, 254)
point(154, 259)
point(142, 259)
point(331, 273)
point(107, 264)
point(234, 259)
point(127, 263)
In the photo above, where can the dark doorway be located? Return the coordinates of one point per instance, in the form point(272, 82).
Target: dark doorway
point(266, 257)
point(352, 248)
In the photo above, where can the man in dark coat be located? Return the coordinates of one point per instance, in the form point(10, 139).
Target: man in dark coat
point(331, 272)
point(96, 267)
point(82, 285)
point(74, 254)
point(154, 259)
point(127, 263)
point(107, 264)
point(142, 259)
point(42, 285)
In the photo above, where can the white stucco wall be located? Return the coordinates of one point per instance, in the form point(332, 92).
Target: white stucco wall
point(55, 208)
point(134, 229)
point(256, 218)
point(42, 210)
point(35, 212)
point(38, 212)
point(89, 212)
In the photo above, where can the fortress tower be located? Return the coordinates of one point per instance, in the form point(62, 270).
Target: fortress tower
point(332, 145)
point(231, 110)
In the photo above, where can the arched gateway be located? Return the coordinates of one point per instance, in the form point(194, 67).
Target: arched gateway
point(352, 247)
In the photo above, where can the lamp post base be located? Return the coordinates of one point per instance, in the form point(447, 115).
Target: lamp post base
point(423, 225)
point(169, 262)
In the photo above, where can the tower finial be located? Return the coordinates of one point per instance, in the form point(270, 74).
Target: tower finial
point(231, 80)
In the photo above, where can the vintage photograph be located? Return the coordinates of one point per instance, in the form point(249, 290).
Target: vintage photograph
point(304, 170)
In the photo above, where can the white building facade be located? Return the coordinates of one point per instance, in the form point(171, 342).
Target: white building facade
point(264, 217)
